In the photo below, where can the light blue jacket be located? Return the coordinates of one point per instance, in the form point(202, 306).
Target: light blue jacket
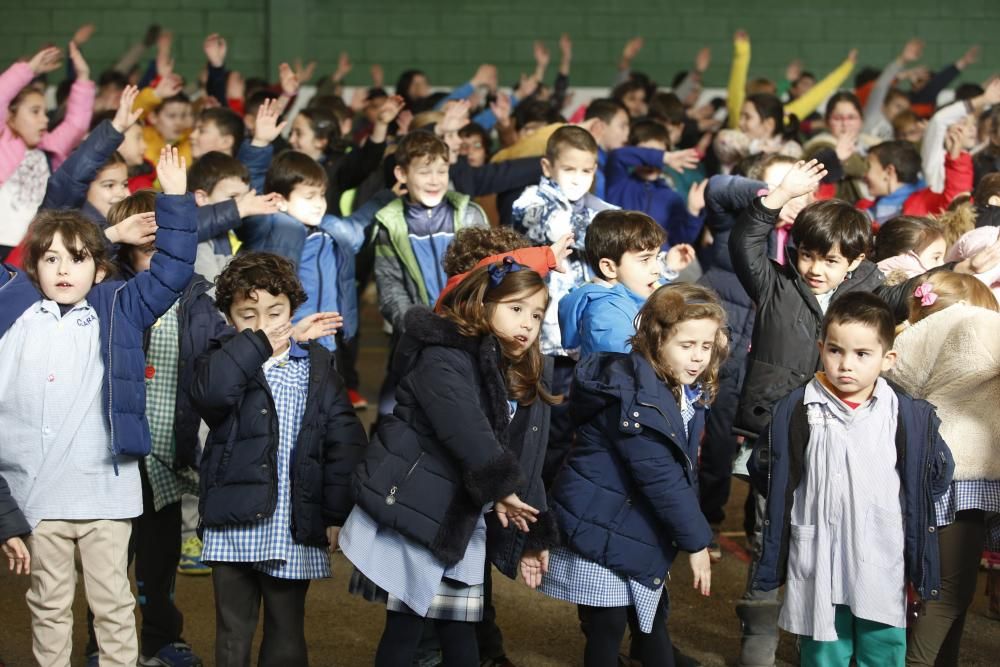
point(597, 318)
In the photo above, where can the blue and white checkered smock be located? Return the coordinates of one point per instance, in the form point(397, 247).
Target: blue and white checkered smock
point(268, 544)
point(573, 578)
point(972, 494)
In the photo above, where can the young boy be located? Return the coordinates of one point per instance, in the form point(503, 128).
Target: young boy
point(849, 467)
point(217, 129)
point(267, 399)
point(623, 250)
point(636, 182)
point(413, 232)
point(168, 119)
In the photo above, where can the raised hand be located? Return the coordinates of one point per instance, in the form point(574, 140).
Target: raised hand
point(215, 49)
point(236, 86)
point(794, 70)
point(390, 109)
point(304, 72)
point(250, 203)
point(126, 116)
point(696, 197)
point(513, 510)
point(852, 55)
point(344, 67)
point(970, 57)
point(741, 36)
point(267, 128)
point(171, 170)
point(316, 326)
point(456, 116)
point(486, 75)
point(526, 87)
point(278, 336)
point(18, 556)
point(630, 51)
point(378, 75)
point(164, 60)
point(289, 82)
point(954, 139)
point(83, 34)
point(135, 230)
point(912, 50)
point(169, 86)
point(79, 62)
point(501, 108)
point(701, 568)
point(403, 121)
point(703, 59)
point(679, 257)
point(542, 55)
point(534, 564)
point(682, 159)
point(562, 249)
point(565, 47)
point(45, 60)
point(802, 179)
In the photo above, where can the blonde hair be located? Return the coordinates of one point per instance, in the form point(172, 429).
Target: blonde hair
point(956, 222)
point(951, 288)
point(663, 311)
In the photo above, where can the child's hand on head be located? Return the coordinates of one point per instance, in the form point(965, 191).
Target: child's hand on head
point(278, 335)
point(513, 510)
point(701, 568)
point(267, 128)
point(172, 171)
point(250, 203)
point(696, 197)
point(126, 116)
point(802, 179)
point(215, 49)
point(534, 564)
point(79, 62)
point(46, 60)
point(18, 556)
point(679, 257)
point(562, 249)
point(135, 230)
point(317, 325)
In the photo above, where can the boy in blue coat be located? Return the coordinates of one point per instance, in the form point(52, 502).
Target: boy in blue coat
point(850, 467)
point(623, 249)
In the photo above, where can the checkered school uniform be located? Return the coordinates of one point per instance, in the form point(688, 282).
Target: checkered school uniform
point(268, 544)
point(573, 578)
point(161, 404)
point(972, 494)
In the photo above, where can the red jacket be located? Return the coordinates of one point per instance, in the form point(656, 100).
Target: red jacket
point(957, 180)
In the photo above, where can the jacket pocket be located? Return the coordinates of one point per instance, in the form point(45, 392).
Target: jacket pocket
point(802, 552)
point(883, 538)
point(390, 497)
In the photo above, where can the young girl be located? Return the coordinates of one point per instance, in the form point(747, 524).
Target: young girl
point(25, 139)
point(949, 356)
point(762, 119)
point(626, 498)
point(844, 120)
point(73, 410)
point(417, 536)
point(907, 246)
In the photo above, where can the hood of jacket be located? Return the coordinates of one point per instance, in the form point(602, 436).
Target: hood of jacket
point(574, 305)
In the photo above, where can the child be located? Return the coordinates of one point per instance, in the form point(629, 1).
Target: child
point(176, 339)
point(217, 129)
point(294, 429)
point(636, 182)
point(851, 468)
point(414, 232)
point(169, 117)
point(220, 183)
point(893, 179)
point(417, 536)
point(79, 388)
point(26, 143)
point(948, 356)
point(639, 420)
point(623, 250)
point(907, 246)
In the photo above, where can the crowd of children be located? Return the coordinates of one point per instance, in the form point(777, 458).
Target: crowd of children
point(593, 325)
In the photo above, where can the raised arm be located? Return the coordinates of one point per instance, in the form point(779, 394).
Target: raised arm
point(805, 105)
point(737, 88)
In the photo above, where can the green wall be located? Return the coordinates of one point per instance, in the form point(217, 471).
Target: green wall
point(447, 38)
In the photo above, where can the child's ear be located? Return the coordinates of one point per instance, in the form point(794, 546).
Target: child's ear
point(282, 202)
point(229, 142)
point(856, 263)
point(608, 268)
point(400, 174)
point(769, 124)
point(100, 275)
point(200, 197)
point(889, 360)
point(993, 201)
point(546, 167)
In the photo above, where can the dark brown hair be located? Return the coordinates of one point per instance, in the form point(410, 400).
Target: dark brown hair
point(114, 160)
point(471, 306)
point(901, 155)
point(667, 307)
point(843, 96)
point(614, 233)
point(903, 234)
point(570, 136)
point(472, 244)
point(866, 309)
point(257, 271)
point(902, 121)
point(823, 224)
point(648, 130)
point(212, 168)
point(291, 169)
point(420, 144)
point(988, 186)
point(227, 122)
point(81, 237)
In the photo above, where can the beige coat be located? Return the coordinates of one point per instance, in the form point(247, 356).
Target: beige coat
point(952, 359)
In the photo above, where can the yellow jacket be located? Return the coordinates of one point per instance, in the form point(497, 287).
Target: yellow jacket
point(531, 146)
point(148, 100)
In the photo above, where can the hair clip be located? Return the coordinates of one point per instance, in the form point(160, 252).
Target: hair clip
point(926, 294)
point(500, 270)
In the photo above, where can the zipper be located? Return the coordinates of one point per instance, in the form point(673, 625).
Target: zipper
point(686, 457)
point(390, 499)
point(923, 505)
point(111, 384)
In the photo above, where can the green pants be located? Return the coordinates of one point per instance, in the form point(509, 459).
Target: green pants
point(871, 644)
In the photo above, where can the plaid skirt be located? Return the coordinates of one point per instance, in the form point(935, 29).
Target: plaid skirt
point(454, 600)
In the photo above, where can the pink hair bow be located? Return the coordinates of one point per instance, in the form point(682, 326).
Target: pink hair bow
point(926, 294)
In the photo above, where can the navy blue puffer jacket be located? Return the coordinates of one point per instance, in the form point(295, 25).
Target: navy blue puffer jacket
point(626, 497)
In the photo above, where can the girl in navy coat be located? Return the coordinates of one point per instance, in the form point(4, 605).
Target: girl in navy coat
point(626, 500)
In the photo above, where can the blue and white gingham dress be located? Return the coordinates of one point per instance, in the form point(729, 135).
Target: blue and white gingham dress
point(573, 578)
point(268, 544)
point(972, 494)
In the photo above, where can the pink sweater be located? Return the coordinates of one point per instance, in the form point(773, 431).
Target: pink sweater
point(61, 141)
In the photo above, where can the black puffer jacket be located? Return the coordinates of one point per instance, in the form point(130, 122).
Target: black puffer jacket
point(239, 482)
point(12, 522)
point(443, 453)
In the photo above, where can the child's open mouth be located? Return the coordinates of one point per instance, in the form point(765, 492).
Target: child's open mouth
point(64, 285)
point(523, 340)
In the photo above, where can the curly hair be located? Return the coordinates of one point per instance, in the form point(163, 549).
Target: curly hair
point(471, 306)
point(253, 271)
point(80, 236)
point(663, 311)
point(471, 244)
